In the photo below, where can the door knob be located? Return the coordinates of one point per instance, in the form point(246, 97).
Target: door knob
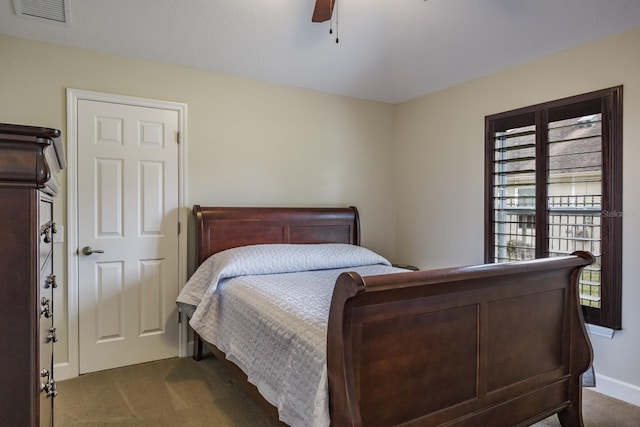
point(88, 250)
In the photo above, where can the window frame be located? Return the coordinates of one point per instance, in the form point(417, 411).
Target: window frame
point(609, 314)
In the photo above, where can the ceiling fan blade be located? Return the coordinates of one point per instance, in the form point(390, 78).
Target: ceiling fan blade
point(323, 10)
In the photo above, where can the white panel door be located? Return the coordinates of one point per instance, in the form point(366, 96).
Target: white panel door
point(128, 215)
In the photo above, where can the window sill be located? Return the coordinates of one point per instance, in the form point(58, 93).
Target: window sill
point(600, 331)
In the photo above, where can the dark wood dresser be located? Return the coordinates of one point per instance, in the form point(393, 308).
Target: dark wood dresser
point(30, 159)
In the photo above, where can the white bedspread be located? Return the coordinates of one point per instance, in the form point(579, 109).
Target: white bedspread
point(273, 323)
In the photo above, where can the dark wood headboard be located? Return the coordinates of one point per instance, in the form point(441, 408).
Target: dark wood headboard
point(220, 228)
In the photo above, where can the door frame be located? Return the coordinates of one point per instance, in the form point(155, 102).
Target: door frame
point(70, 368)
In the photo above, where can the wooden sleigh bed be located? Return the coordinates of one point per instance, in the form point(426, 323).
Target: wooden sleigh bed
point(498, 344)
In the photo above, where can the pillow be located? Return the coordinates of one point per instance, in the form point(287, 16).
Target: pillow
point(273, 259)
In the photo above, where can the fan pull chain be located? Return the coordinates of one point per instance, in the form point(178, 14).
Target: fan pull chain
point(330, 17)
point(337, 10)
point(333, 7)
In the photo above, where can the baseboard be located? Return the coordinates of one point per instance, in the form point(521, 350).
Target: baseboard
point(64, 371)
point(617, 389)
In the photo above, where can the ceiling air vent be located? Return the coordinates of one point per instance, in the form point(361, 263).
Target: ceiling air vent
point(51, 10)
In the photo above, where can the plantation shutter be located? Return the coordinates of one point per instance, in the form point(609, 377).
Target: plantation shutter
point(553, 175)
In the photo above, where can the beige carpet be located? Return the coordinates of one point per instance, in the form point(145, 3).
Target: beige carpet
point(172, 392)
point(182, 392)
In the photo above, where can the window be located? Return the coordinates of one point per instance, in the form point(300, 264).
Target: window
point(525, 200)
point(553, 184)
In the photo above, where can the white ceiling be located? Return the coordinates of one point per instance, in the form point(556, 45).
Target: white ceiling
point(389, 50)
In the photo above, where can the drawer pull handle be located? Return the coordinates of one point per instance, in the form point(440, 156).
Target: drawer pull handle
point(88, 250)
point(45, 308)
point(51, 336)
point(51, 281)
point(49, 388)
point(47, 229)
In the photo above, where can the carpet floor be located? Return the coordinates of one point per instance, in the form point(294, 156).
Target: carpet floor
point(182, 392)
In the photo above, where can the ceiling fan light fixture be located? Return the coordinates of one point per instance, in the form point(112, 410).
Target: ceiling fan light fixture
point(323, 11)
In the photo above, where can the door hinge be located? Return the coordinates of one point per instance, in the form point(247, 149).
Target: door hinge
point(178, 137)
point(179, 316)
point(179, 228)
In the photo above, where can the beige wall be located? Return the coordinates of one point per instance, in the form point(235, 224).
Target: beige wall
point(249, 143)
point(440, 166)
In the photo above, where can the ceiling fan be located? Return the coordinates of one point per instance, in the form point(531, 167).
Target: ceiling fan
point(323, 10)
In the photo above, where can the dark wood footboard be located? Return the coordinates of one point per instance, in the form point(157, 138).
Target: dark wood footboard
point(499, 345)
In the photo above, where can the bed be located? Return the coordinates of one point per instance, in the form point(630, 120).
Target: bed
point(497, 344)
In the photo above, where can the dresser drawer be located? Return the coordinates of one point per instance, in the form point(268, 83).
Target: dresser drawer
point(46, 403)
point(47, 333)
point(46, 230)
